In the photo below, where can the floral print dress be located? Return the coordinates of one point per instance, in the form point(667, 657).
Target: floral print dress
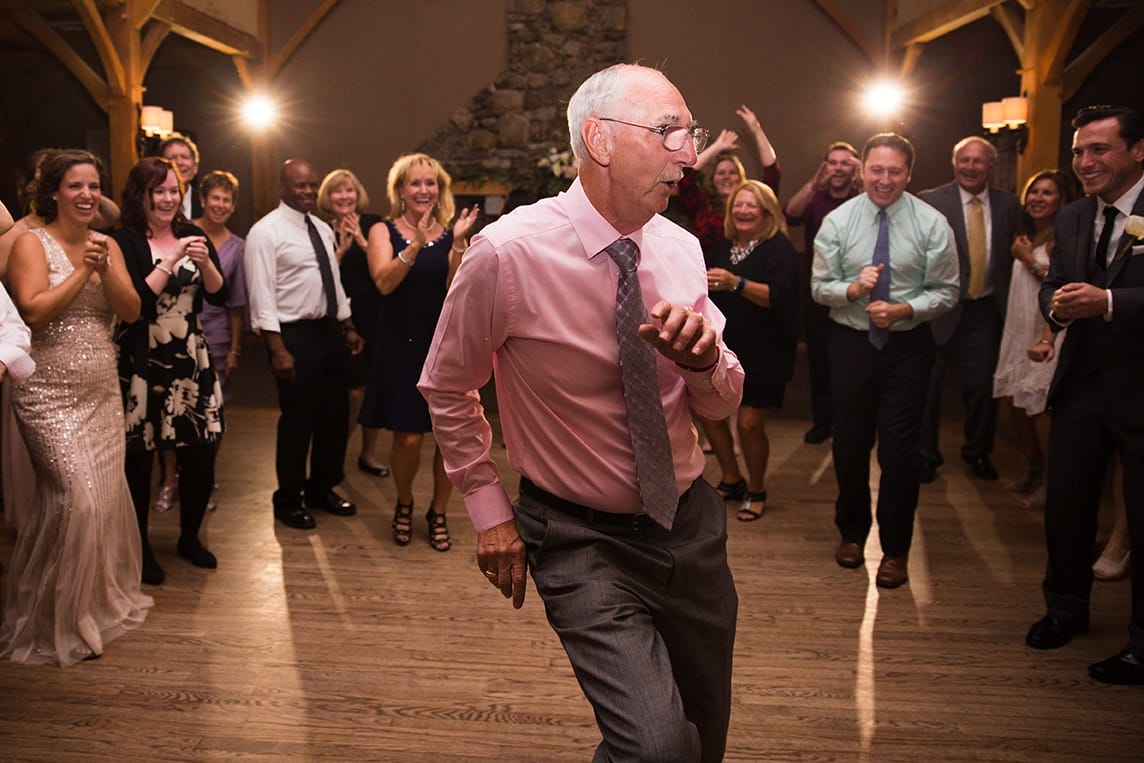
point(171, 394)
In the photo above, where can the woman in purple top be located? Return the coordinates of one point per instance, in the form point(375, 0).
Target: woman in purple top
point(223, 324)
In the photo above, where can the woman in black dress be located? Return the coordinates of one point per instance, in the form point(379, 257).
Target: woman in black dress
point(412, 259)
point(753, 279)
point(171, 397)
point(342, 201)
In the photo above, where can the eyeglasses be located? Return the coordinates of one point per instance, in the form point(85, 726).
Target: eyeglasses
point(674, 136)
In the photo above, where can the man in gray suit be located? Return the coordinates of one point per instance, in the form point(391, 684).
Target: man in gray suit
point(984, 222)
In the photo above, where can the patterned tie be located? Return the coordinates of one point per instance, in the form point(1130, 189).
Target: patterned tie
point(881, 291)
point(977, 265)
point(324, 267)
point(1110, 213)
point(655, 472)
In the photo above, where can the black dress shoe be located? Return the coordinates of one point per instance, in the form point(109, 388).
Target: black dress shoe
point(1125, 668)
point(816, 434)
point(297, 518)
point(376, 471)
point(927, 472)
point(196, 553)
point(983, 468)
point(331, 503)
point(152, 573)
point(1052, 633)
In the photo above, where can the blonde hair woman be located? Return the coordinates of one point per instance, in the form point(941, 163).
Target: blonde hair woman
point(412, 260)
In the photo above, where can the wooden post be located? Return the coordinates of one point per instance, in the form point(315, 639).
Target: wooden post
point(124, 103)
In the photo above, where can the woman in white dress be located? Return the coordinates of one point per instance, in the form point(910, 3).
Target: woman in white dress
point(1027, 361)
point(73, 583)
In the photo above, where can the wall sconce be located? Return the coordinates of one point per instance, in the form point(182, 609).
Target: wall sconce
point(156, 122)
point(1012, 113)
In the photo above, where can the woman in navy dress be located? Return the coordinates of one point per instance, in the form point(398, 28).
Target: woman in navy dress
point(412, 260)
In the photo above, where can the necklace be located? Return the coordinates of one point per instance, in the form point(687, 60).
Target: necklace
point(739, 253)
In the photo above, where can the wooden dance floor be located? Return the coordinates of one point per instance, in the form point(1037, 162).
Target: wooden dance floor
point(337, 645)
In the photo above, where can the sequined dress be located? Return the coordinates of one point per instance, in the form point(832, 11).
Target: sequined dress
point(73, 581)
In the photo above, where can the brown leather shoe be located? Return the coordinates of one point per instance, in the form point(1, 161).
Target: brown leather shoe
point(849, 554)
point(892, 571)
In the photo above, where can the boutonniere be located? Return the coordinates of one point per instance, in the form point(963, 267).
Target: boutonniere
point(1133, 233)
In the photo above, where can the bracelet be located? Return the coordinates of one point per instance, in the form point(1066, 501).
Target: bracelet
point(401, 256)
point(235, 352)
point(164, 269)
point(347, 328)
point(459, 251)
point(739, 287)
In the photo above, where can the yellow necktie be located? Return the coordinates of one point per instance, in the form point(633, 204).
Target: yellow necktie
point(976, 230)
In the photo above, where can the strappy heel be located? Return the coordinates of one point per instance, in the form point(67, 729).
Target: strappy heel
point(753, 507)
point(403, 523)
point(732, 491)
point(438, 531)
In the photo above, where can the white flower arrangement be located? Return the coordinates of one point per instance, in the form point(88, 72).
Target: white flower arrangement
point(560, 163)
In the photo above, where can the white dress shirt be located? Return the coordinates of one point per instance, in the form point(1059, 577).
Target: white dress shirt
point(15, 340)
point(283, 281)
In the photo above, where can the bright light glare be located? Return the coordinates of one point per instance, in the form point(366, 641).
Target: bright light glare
point(259, 111)
point(883, 98)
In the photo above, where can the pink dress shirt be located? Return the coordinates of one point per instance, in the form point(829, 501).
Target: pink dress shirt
point(534, 300)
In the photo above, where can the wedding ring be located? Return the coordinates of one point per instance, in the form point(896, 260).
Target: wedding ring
point(490, 575)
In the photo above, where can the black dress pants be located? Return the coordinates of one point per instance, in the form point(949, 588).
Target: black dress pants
point(314, 412)
point(1087, 433)
point(817, 327)
point(974, 348)
point(878, 395)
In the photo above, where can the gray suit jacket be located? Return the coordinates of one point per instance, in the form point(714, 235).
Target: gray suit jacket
point(1005, 212)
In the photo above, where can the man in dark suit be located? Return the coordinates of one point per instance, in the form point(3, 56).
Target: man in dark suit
point(1095, 287)
point(984, 222)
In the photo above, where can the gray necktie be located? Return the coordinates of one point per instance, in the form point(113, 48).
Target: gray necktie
point(655, 472)
point(881, 292)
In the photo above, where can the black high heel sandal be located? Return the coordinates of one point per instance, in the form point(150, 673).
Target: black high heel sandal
point(732, 491)
point(438, 531)
point(403, 523)
point(753, 507)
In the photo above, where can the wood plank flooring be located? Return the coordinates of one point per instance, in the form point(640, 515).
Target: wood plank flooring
point(337, 645)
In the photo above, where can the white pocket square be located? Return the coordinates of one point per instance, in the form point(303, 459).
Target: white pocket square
point(1138, 249)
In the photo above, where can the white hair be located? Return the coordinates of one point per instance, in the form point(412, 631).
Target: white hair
point(596, 94)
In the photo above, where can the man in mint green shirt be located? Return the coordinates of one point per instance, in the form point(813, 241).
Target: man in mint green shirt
point(885, 263)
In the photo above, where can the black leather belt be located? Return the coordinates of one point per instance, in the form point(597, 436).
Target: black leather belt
point(585, 513)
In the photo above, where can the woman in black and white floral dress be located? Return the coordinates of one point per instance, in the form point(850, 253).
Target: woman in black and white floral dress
point(171, 395)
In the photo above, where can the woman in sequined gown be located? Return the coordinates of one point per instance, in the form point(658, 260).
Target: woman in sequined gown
point(73, 582)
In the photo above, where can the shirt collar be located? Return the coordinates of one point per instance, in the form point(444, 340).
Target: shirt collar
point(966, 196)
point(595, 233)
point(293, 214)
point(1127, 201)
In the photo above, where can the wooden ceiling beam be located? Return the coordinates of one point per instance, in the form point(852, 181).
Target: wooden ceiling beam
point(869, 50)
point(97, 31)
point(279, 59)
point(152, 38)
point(943, 19)
point(34, 24)
point(1013, 23)
point(1083, 65)
point(209, 32)
point(144, 10)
